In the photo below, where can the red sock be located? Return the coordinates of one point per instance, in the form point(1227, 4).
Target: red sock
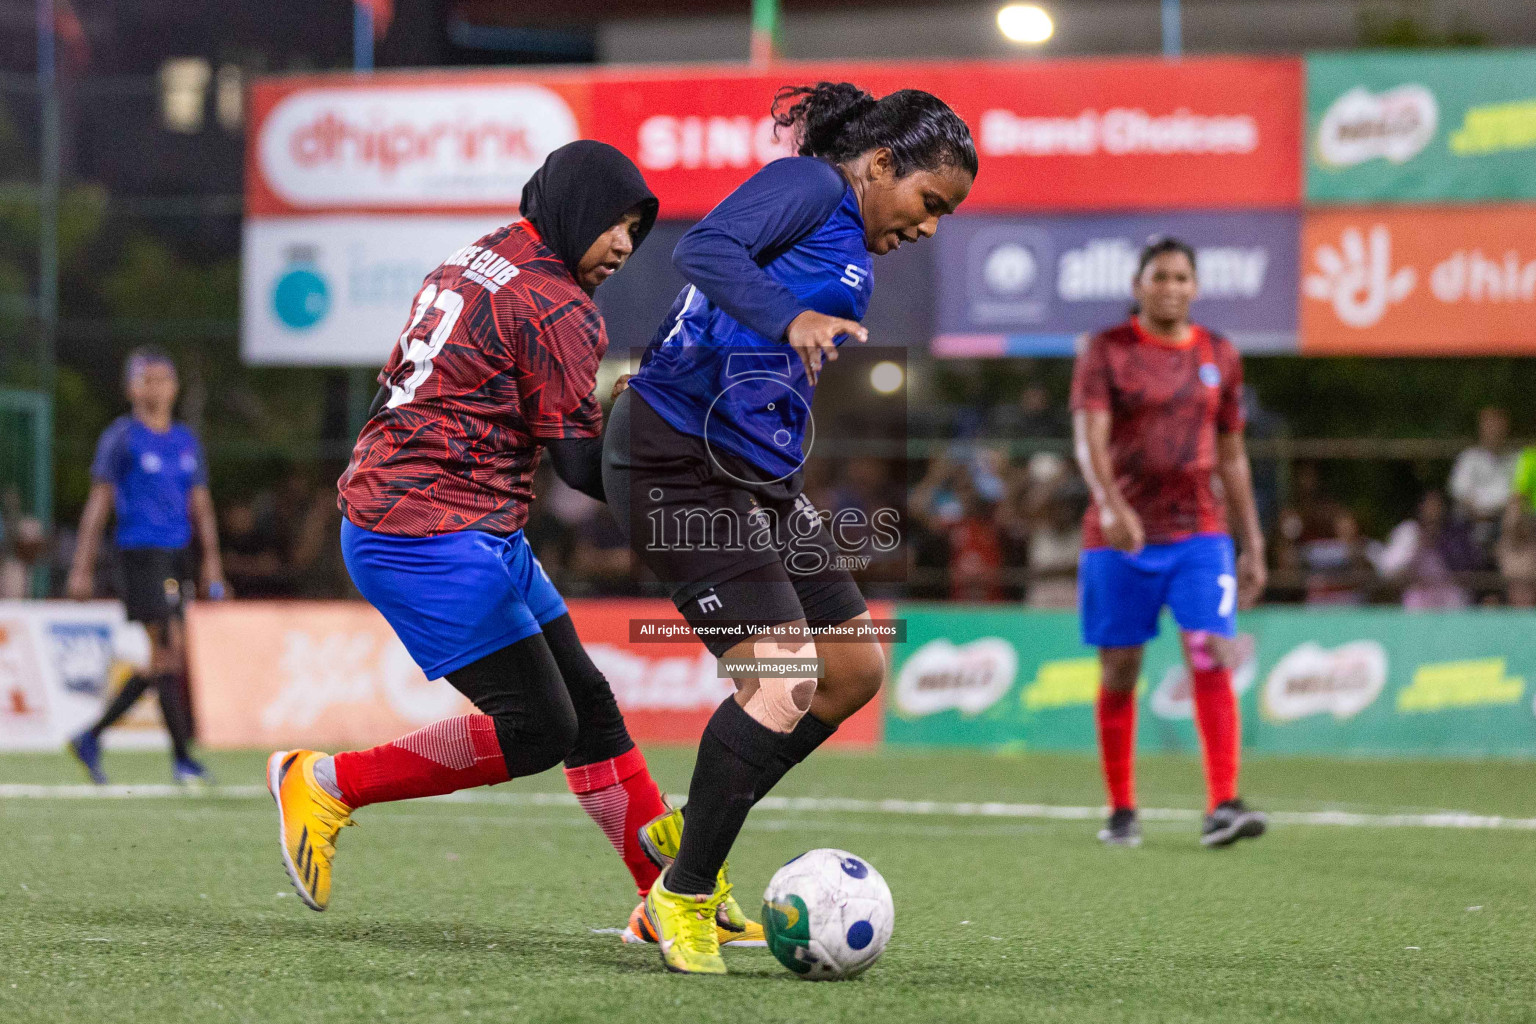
point(453, 754)
point(620, 795)
point(1220, 733)
point(1117, 746)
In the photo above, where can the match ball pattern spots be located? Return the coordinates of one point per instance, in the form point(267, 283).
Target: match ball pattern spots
point(827, 915)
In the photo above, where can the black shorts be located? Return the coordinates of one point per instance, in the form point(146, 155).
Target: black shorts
point(729, 549)
point(156, 583)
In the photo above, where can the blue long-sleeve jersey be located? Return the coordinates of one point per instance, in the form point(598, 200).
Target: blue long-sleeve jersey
point(790, 239)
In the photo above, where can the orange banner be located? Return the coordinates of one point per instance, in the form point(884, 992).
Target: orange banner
point(1427, 281)
point(332, 675)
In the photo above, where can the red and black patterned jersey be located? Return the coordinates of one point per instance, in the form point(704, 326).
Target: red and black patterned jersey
point(1166, 405)
point(501, 351)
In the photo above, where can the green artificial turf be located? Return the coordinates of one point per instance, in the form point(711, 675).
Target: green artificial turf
point(177, 910)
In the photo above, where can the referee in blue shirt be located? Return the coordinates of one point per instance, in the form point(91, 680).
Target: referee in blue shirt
point(151, 472)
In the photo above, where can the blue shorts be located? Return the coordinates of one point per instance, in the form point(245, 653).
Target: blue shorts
point(453, 598)
point(1121, 595)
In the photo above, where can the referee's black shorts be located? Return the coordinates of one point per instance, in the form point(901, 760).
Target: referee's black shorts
point(732, 552)
point(156, 583)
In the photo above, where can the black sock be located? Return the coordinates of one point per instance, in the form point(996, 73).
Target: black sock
point(810, 733)
point(132, 690)
point(735, 753)
point(173, 710)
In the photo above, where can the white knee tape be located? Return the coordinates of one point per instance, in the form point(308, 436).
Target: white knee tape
point(780, 702)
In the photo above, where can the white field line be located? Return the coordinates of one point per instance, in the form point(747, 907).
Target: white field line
point(844, 805)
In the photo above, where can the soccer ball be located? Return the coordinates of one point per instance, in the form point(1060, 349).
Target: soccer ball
point(827, 915)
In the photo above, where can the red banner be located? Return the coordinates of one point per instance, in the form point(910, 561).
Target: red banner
point(1127, 133)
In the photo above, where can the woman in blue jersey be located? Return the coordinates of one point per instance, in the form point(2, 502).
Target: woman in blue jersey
point(703, 453)
point(150, 472)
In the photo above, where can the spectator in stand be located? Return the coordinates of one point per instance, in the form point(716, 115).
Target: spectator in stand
point(1516, 555)
point(308, 521)
point(862, 490)
point(956, 502)
point(975, 548)
point(926, 538)
point(27, 549)
point(1338, 568)
point(253, 558)
point(1482, 476)
point(1039, 525)
point(1426, 554)
point(1524, 485)
point(1034, 415)
point(1053, 549)
point(1313, 515)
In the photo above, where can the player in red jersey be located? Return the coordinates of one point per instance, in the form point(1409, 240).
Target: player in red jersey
point(497, 362)
point(1156, 414)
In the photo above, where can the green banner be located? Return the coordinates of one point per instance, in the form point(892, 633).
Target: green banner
point(1378, 682)
point(1417, 126)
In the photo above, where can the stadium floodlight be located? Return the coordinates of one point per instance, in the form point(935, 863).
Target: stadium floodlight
point(1025, 23)
point(886, 377)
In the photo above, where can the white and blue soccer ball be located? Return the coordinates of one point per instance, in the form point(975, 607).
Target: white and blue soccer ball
point(827, 915)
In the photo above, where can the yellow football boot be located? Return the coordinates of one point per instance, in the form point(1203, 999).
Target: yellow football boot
point(639, 930)
point(684, 927)
point(308, 819)
point(660, 838)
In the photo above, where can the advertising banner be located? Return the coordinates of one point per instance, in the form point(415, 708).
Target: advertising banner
point(1421, 127)
point(356, 186)
point(333, 675)
point(1123, 133)
point(59, 663)
point(1057, 135)
point(1431, 281)
point(1369, 682)
point(337, 290)
point(1033, 286)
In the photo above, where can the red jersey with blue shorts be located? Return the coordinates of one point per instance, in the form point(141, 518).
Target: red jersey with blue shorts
point(501, 351)
point(1167, 404)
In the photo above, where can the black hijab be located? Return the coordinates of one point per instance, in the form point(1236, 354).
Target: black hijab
point(581, 191)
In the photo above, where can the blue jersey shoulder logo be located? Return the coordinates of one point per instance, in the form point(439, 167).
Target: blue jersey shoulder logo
point(1210, 376)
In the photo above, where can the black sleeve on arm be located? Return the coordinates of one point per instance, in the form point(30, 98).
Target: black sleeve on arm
point(723, 254)
point(579, 462)
point(380, 398)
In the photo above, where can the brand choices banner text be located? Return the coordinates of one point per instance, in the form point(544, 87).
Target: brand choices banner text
point(1366, 682)
point(1421, 127)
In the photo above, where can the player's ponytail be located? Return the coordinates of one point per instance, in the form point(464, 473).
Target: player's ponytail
point(839, 121)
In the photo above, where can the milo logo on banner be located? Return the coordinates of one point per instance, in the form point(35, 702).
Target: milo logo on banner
point(1421, 127)
point(1314, 680)
point(943, 676)
point(1361, 125)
